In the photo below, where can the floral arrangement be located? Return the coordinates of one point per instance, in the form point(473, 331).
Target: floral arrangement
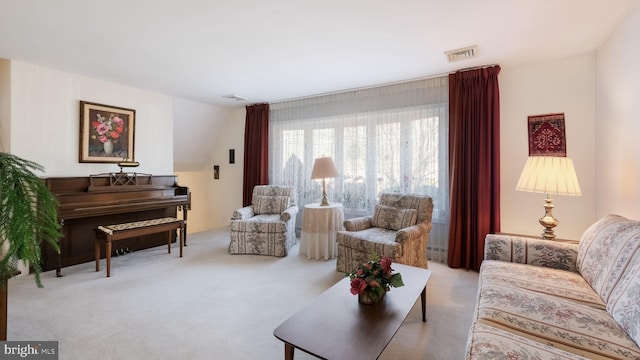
point(107, 129)
point(375, 277)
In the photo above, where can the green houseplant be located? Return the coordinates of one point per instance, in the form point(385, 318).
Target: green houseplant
point(28, 216)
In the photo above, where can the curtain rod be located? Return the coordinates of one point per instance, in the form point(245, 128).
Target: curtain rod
point(381, 85)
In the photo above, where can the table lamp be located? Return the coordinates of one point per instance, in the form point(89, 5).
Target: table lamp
point(324, 168)
point(549, 175)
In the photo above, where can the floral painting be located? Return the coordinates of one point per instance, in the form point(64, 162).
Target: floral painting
point(106, 133)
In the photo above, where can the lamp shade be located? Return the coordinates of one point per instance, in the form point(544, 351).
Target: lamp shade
point(324, 168)
point(550, 175)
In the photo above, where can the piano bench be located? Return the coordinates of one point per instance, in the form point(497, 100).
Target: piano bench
point(110, 233)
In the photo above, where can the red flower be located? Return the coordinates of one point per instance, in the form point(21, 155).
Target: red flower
point(385, 262)
point(375, 276)
point(357, 286)
point(102, 128)
point(114, 134)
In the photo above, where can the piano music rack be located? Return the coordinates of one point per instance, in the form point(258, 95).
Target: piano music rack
point(121, 179)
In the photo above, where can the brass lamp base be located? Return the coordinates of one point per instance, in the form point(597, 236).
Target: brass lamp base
point(325, 201)
point(548, 221)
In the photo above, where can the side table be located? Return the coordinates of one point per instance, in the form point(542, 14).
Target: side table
point(319, 227)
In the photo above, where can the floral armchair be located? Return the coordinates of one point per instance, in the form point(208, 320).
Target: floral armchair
point(267, 226)
point(399, 228)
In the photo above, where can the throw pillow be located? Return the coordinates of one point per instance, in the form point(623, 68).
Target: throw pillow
point(623, 304)
point(605, 251)
point(393, 218)
point(270, 204)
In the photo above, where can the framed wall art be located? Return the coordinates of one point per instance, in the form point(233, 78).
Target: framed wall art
point(107, 133)
point(547, 135)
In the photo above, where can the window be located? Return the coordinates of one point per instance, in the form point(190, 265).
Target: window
point(387, 139)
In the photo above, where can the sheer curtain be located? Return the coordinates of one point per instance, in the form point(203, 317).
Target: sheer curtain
point(391, 138)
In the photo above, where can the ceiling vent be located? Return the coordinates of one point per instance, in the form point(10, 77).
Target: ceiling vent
point(468, 52)
point(235, 97)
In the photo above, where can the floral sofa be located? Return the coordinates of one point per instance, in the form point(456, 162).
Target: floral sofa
point(541, 299)
point(267, 226)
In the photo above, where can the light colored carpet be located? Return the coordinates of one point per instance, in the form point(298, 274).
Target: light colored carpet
point(212, 305)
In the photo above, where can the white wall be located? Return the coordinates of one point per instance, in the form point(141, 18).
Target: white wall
point(5, 105)
point(618, 121)
point(565, 86)
point(39, 119)
point(45, 120)
point(213, 201)
point(196, 130)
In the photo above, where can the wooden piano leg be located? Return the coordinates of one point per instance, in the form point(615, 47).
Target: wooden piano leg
point(108, 256)
point(169, 241)
point(182, 237)
point(59, 257)
point(184, 219)
point(97, 253)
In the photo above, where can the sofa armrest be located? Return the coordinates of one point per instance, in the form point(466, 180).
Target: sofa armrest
point(532, 251)
point(289, 214)
point(357, 224)
point(413, 231)
point(243, 213)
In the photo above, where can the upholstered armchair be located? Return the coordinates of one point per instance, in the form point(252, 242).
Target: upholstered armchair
point(267, 226)
point(399, 228)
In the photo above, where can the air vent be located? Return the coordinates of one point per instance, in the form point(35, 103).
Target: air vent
point(462, 54)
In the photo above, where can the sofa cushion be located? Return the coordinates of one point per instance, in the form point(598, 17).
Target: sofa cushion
point(260, 224)
point(561, 323)
point(393, 218)
point(605, 250)
point(423, 204)
point(624, 304)
point(380, 240)
point(488, 342)
point(561, 283)
point(270, 204)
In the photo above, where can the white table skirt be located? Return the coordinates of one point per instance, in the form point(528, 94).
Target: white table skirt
point(319, 227)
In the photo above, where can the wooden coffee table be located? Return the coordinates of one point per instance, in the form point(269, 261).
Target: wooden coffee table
point(335, 326)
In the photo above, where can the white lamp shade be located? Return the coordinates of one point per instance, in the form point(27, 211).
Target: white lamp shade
point(550, 175)
point(324, 168)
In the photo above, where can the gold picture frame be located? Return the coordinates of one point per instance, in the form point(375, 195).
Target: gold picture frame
point(107, 133)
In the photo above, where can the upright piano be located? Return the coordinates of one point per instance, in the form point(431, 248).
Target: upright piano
point(84, 203)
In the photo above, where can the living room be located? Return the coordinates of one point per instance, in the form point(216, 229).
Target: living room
point(597, 90)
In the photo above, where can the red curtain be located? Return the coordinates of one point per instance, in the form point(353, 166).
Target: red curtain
point(256, 150)
point(474, 164)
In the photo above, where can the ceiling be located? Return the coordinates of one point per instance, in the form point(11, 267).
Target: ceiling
point(275, 50)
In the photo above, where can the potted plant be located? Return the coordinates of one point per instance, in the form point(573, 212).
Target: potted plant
point(373, 279)
point(28, 216)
